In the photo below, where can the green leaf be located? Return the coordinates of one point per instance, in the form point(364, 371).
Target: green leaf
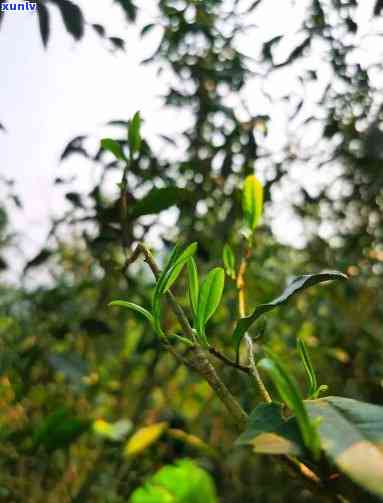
point(351, 435)
point(157, 200)
point(59, 430)
point(252, 201)
point(298, 284)
point(269, 433)
point(178, 263)
point(288, 391)
point(184, 482)
point(133, 307)
point(114, 147)
point(147, 28)
point(72, 18)
point(228, 258)
point(134, 134)
point(310, 372)
point(44, 23)
point(174, 266)
point(209, 298)
point(193, 284)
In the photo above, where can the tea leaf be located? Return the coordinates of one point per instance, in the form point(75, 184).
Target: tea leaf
point(252, 201)
point(114, 147)
point(310, 372)
point(269, 433)
point(351, 435)
point(209, 298)
point(298, 284)
point(134, 307)
point(134, 134)
point(288, 390)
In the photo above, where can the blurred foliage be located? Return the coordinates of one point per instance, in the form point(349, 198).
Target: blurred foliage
point(75, 374)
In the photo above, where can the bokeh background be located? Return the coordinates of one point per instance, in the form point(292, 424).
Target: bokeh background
point(290, 91)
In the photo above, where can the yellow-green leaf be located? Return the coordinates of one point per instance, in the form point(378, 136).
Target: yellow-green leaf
point(252, 201)
point(144, 438)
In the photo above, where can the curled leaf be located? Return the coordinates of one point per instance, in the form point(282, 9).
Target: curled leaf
point(134, 307)
point(297, 285)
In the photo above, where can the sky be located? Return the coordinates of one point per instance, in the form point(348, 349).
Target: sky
point(50, 96)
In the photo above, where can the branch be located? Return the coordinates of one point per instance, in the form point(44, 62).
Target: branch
point(198, 360)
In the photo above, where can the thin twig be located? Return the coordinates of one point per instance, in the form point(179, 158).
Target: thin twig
point(254, 371)
point(241, 286)
point(229, 362)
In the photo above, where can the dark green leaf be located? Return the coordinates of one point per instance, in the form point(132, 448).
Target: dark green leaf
point(378, 7)
point(134, 134)
point(117, 42)
point(254, 5)
point(129, 8)
point(269, 433)
point(99, 29)
point(296, 53)
point(95, 326)
point(147, 28)
point(158, 200)
point(44, 23)
point(59, 430)
point(75, 199)
point(114, 147)
point(351, 435)
point(39, 259)
point(72, 17)
point(298, 284)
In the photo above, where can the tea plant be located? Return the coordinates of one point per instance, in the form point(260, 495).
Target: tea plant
point(303, 430)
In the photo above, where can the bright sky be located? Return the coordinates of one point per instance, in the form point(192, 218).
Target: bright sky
point(50, 96)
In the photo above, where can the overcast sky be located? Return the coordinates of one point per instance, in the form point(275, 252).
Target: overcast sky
point(49, 96)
